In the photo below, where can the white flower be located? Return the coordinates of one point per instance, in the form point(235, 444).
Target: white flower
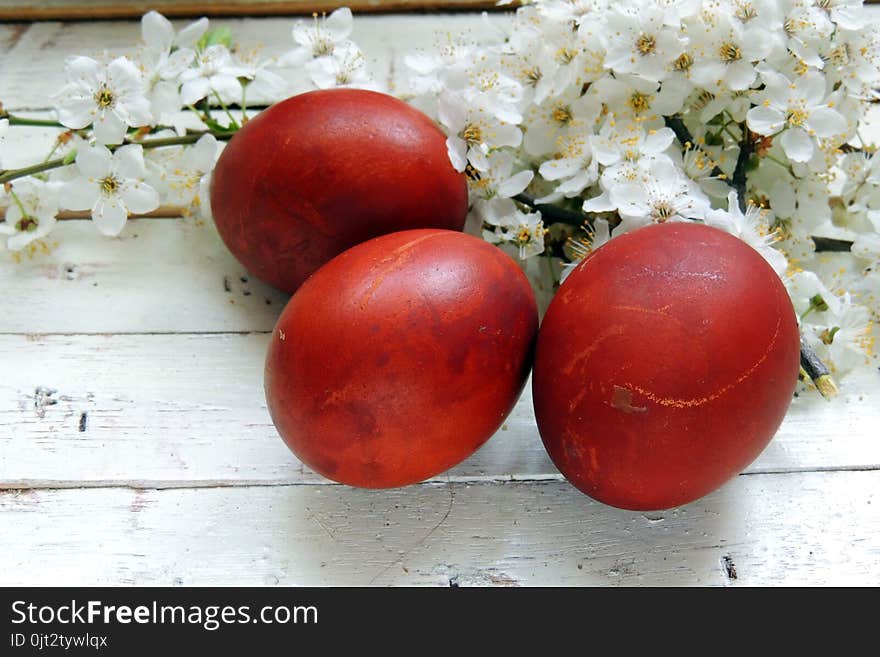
point(111, 186)
point(429, 67)
point(319, 39)
point(163, 59)
point(164, 55)
point(111, 99)
point(498, 179)
point(809, 29)
point(799, 108)
point(31, 214)
point(726, 51)
point(663, 194)
point(576, 168)
point(346, 67)
point(598, 233)
point(843, 337)
point(214, 73)
point(630, 97)
point(557, 117)
point(637, 40)
point(524, 230)
point(473, 132)
point(751, 228)
point(487, 84)
point(178, 172)
point(848, 14)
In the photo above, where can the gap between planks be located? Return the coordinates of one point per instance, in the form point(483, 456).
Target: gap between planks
point(469, 480)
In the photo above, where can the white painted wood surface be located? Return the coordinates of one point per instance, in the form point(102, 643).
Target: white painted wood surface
point(135, 445)
point(816, 527)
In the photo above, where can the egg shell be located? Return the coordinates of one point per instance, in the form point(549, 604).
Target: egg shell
point(322, 171)
point(664, 365)
point(400, 357)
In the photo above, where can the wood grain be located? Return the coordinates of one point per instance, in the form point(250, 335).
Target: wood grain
point(795, 529)
point(94, 9)
point(189, 410)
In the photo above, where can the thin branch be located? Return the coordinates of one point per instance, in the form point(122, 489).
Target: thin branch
point(831, 245)
point(13, 174)
point(813, 367)
point(554, 213)
point(739, 173)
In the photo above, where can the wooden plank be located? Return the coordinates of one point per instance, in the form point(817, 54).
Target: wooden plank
point(159, 275)
point(189, 410)
point(798, 529)
point(92, 9)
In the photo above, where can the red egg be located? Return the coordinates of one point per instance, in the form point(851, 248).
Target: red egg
point(664, 366)
point(320, 172)
point(400, 357)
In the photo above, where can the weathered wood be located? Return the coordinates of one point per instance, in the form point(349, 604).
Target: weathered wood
point(53, 9)
point(184, 410)
point(158, 276)
point(796, 529)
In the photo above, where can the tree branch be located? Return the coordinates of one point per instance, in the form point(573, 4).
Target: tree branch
point(9, 175)
point(554, 212)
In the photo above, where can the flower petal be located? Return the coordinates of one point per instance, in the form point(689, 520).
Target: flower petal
point(109, 128)
point(128, 162)
point(811, 86)
point(79, 194)
point(76, 112)
point(156, 31)
point(139, 197)
point(797, 144)
point(562, 168)
point(189, 35)
point(826, 122)
point(740, 75)
point(227, 87)
point(85, 71)
point(456, 149)
point(339, 24)
point(123, 77)
point(194, 90)
point(94, 161)
point(110, 215)
point(515, 184)
point(765, 120)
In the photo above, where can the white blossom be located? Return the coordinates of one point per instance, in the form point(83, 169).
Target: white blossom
point(346, 67)
point(214, 73)
point(639, 41)
point(473, 131)
point(110, 98)
point(751, 227)
point(111, 185)
point(320, 39)
point(31, 213)
point(525, 230)
point(799, 109)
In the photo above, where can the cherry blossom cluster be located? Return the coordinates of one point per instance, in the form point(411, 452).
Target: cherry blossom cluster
point(143, 131)
point(579, 120)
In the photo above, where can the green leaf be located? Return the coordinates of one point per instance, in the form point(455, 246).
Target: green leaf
point(70, 157)
point(221, 36)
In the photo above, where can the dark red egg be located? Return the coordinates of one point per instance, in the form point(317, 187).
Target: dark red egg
point(320, 172)
point(400, 357)
point(664, 366)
